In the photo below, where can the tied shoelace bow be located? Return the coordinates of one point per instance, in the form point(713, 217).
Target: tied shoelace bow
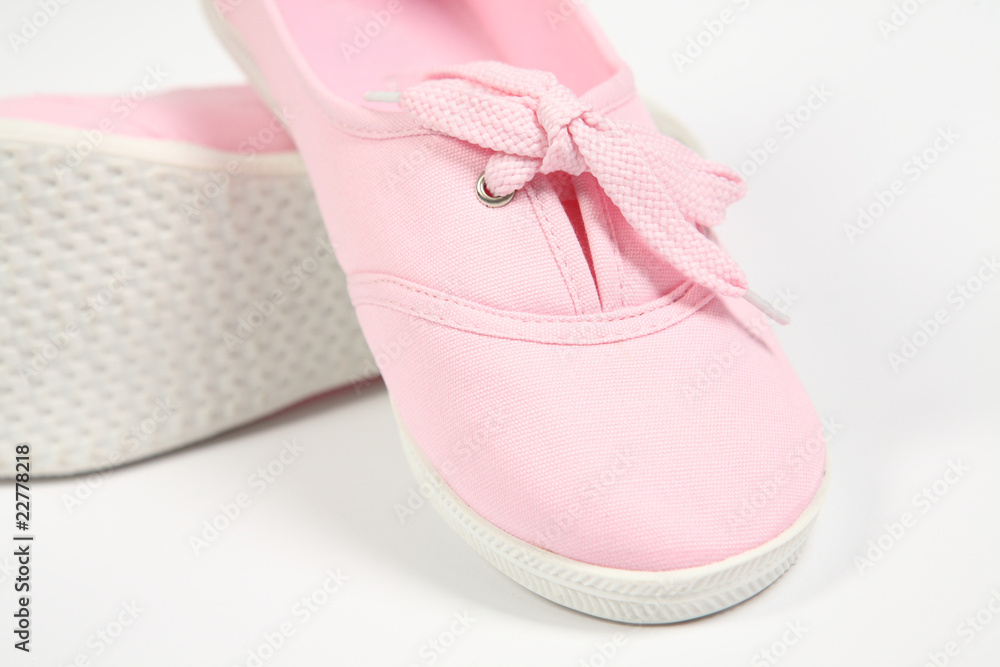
point(537, 125)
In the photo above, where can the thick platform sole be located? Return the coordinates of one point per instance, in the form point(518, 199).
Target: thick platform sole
point(156, 294)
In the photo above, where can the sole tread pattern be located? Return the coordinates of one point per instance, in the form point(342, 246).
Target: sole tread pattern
point(147, 306)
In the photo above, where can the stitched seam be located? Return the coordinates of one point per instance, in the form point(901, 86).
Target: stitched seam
point(599, 317)
point(653, 327)
point(612, 222)
point(398, 134)
point(555, 249)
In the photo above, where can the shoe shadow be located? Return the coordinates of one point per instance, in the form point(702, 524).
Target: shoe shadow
point(355, 491)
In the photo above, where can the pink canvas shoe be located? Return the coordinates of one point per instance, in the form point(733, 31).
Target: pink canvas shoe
point(548, 284)
point(166, 276)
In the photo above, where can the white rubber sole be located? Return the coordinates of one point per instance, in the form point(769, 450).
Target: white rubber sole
point(154, 296)
point(626, 596)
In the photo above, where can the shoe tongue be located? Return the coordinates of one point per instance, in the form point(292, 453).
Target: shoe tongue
point(627, 272)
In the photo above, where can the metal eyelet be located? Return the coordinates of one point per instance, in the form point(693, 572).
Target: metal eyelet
point(487, 198)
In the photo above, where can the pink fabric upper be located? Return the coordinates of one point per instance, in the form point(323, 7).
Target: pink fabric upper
point(223, 118)
point(542, 354)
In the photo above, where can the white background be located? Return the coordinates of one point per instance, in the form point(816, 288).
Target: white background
point(333, 508)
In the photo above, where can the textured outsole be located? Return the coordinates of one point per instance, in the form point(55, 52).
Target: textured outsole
point(155, 295)
point(625, 596)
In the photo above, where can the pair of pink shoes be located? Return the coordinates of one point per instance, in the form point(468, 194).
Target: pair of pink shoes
point(532, 267)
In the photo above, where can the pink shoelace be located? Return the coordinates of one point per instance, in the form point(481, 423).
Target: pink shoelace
point(537, 125)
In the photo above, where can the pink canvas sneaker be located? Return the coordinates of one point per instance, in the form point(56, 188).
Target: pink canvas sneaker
point(166, 276)
point(546, 277)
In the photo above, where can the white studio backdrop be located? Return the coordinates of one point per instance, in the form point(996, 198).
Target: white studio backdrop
point(869, 134)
